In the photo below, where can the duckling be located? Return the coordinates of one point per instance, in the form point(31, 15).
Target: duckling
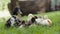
point(13, 21)
point(44, 20)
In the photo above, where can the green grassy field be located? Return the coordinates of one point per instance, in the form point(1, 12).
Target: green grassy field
point(39, 29)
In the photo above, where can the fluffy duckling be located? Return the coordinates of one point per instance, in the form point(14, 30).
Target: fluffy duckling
point(44, 20)
point(13, 21)
point(29, 21)
point(47, 20)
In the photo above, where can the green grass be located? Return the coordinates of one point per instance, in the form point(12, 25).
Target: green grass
point(39, 29)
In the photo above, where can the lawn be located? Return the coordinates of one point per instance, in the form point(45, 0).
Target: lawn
point(39, 29)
